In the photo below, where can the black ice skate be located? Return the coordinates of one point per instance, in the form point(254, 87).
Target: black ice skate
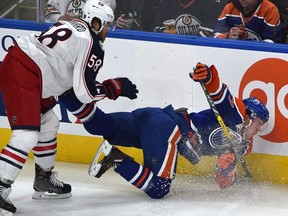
point(6, 206)
point(107, 156)
point(47, 186)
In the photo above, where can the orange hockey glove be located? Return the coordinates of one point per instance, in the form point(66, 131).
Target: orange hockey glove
point(226, 170)
point(201, 73)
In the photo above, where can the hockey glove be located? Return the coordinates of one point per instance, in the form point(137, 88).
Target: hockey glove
point(226, 170)
point(201, 73)
point(120, 87)
point(244, 148)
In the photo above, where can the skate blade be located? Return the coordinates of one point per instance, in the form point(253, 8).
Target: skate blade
point(103, 151)
point(4, 212)
point(49, 196)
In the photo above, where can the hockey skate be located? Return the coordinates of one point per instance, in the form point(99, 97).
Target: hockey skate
point(6, 206)
point(47, 186)
point(107, 156)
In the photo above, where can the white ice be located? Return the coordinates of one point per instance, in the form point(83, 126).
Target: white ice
point(113, 196)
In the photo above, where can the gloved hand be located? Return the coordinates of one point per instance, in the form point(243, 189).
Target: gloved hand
point(244, 148)
point(226, 170)
point(201, 73)
point(120, 87)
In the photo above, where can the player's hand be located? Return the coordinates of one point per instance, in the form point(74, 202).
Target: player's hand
point(172, 31)
point(201, 73)
point(120, 22)
point(236, 33)
point(226, 170)
point(120, 87)
point(244, 148)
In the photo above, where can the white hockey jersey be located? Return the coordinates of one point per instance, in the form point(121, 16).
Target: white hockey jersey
point(68, 54)
point(57, 8)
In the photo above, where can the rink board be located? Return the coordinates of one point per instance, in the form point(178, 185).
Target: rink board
point(81, 149)
point(159, 65)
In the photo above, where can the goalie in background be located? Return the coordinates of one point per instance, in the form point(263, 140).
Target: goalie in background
point(163, 133)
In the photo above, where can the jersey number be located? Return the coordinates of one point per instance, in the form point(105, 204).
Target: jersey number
point(60, 34)
point(94, 63)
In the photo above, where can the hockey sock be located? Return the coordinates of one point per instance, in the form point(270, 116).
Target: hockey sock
point(134, 173)
point(144, 179)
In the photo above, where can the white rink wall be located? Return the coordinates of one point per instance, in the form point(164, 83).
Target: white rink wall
point(159, 65)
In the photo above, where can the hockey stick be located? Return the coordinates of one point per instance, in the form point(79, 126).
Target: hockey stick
point(225, 129)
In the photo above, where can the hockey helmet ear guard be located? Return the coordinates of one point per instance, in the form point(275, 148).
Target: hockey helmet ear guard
point(98, 9)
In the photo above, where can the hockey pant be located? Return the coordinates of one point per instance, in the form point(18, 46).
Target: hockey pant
point(151, 130)
point(157, 135)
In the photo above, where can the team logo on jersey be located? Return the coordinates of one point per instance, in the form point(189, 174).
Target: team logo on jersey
point(187, 24)
point(78, 26)
point(76, 3)
point(250, 35)
point(218, 139)
point(75, 7)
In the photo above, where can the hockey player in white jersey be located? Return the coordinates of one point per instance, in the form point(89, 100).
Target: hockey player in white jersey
point(65, 9)
point(38, 68)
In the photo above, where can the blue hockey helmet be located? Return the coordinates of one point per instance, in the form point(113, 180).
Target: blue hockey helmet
point(256, 109)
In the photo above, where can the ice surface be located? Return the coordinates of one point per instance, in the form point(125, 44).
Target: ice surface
point(113, 196)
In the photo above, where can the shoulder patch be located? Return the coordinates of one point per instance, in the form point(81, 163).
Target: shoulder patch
point(80, 27)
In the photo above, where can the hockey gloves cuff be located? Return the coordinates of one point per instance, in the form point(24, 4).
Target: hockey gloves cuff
point(201, 73)
point(120, 87)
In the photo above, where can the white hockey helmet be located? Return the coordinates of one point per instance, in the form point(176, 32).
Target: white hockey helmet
point(97, 9)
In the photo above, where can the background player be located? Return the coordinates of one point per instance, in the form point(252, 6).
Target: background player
point(36, 69)
point(67, 9)
point(162, 133)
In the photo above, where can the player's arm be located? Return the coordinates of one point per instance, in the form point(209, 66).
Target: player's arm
point(272, 29)
point(227, 105)
point(89, 60)
point(52, 12)
point(226, 166)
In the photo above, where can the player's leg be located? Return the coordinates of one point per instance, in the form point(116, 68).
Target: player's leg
point(21, 96)
point(159, 138)
point(46, 184)
point(12, 160)
point(109, 156)
point(159, 135)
